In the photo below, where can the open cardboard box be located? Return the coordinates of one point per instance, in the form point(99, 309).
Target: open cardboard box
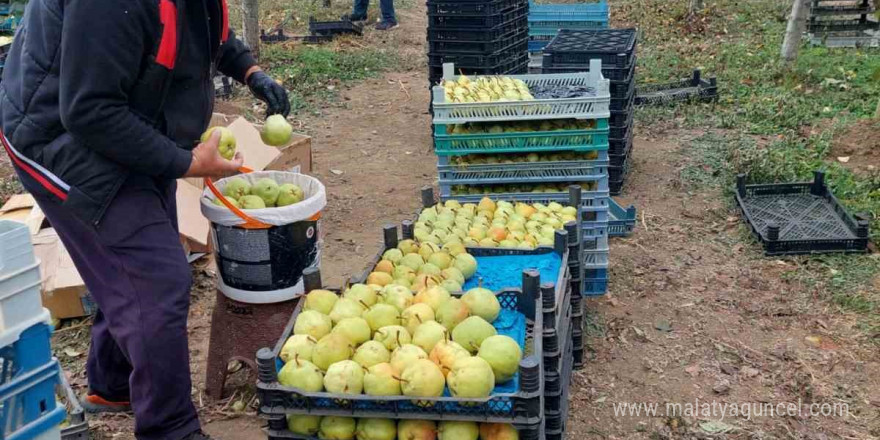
point(63, 290)
point(295, 156)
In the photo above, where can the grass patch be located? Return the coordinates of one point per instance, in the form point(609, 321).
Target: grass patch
point(312, 74)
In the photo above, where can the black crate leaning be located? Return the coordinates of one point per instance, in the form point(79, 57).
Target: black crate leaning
point(522, 407)
point(617, 176)
point(800, 218)
point(621, 146)
point(693, 89)
point(615, 47)
point(279, 36)
point(554, 420)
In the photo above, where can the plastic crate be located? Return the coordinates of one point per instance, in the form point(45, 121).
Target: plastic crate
point(525, 173)
point(16, 250)
point(690, 89)
point(617, 176)
point(846, 39)
point(478, 20)
point(28, 379)
point(277, 430)
point(623, 76)
point(617, 160)
point(800, 218)
point(519, 402)
point(455, 8)
point(589, 199)
point(621, 221)
point(594, 282)
point(77, 427)
point(622, 146)
point(9, 24)
point(476, 37)
point(521, 142)
point(589, 107)
point(334, 27)
point(551, 28)
point(279, 36)
point(512, 66)
point(21, 304)
point(614, 47)
point(594, 254)
point(479, 47)
point(223, 86)
point(536, 45)
point(814, 26)
point(572, 12)
point(514, 52)
point(555, 342)
point(838, 10)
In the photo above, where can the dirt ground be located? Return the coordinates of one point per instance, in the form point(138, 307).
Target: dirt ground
point(859, 147)
point(694, 312)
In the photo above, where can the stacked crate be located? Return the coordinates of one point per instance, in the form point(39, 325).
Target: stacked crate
point(29, 374)
point(541, 178)
point(843, 23)
point(571, 51)
point(484, 37)
point(546, 19)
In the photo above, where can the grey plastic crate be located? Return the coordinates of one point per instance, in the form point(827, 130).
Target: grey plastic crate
point(77, 426)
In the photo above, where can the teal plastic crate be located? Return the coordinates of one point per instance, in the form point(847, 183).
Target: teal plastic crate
point(568, 12)
point(621, 220)
point(446, 144)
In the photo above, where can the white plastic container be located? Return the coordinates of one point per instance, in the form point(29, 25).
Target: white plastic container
point(21, 305)
point(16, 250)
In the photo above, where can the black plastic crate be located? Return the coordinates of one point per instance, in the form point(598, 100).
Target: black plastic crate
point(617, 176)
point(620, 123)
point(514, 52)
point(621, 146)
point(334, 27)
point(479, 47)
point(453, 8)
point(512, 67)
point(818, 9)
point(554, 344)
point(616, 160)
point(524, 406)
point(615, 47)
point(689, 89)
point(445, 20)
point(486, 35)
point(800, 218)
point(276, 429)
point(559, 382)
point(822, 26)
point(77, 427)
point(624, 103)
point(279, 36)
point(223, 87)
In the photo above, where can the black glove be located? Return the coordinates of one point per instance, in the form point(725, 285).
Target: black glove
point(267, 90)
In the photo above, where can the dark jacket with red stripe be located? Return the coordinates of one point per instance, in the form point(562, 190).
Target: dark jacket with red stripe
point(93, 91)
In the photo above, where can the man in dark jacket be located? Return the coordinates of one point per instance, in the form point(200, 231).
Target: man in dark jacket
point(101, 107)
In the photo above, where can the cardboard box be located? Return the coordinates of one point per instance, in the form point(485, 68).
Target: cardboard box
point(63, 291)
point(295, 156)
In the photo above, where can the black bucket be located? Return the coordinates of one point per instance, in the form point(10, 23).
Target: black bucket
point(265, 260)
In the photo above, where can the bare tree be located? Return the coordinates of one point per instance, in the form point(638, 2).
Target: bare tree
point(877, 112)
point(796, 23)
point(250, 10)
point(695, 6)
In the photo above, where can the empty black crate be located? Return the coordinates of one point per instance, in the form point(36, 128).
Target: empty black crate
point(478, 46)
point(617, 160)
point(479, 61)
point(334, 27)
point(469, 8)
point(505, 31)
point(615, 47)
point(617, 176)
point(477, 20)
point(621, 146)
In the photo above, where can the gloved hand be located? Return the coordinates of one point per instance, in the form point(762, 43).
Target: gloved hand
point(267, 90)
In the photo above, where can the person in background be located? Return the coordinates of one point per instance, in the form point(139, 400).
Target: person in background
point(388, 20)
point(102, 104)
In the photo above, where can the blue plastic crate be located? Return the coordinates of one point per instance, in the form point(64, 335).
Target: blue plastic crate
point(621, 220)
point(595, 11)
point(594, 252)
point(594, 282)
point(28, 379)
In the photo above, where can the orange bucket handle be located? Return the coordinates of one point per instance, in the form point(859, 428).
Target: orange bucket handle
point(249, 222)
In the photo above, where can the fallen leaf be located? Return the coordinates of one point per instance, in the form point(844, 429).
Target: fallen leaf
point(663, 325)
point(750, 372)
point(715, 427)
point(843, 159)
point(814, 341)
point(600, 400)
point(337, 172)
point(71, 352)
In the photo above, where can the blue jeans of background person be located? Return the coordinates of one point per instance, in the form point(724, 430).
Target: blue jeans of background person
point(386, 6)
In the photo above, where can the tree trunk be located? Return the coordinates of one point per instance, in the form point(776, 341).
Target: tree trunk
point(877, 112)
point(796, 23)
point(250, 11)
point(695, 6)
